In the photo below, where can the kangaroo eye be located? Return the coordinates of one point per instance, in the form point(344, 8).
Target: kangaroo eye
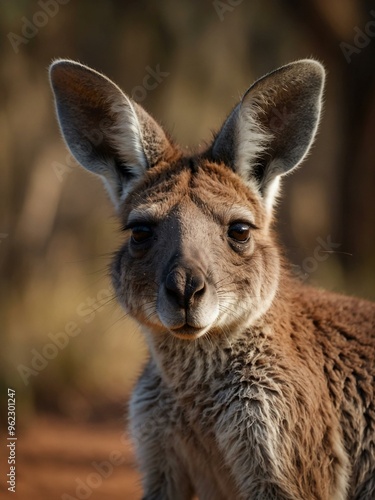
point(141, 234)
point(239, 231)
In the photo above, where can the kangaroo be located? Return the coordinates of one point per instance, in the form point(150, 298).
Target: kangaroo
point(257, 386)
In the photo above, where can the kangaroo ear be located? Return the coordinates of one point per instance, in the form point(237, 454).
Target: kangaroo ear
point(107, 132)
point(271, 130)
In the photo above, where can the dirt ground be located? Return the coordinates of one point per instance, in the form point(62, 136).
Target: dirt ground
point(59, 459)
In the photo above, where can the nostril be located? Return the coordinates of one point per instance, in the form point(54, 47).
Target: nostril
point(195, 288)
point(175, 287)
point(184, 288)
point(200, 291)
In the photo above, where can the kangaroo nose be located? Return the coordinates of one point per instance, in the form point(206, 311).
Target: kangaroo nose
point(185, 286)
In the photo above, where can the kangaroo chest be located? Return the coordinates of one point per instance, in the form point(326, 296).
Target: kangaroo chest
point(210, 400)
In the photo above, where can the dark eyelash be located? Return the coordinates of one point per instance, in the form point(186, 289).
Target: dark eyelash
point(137, 223)
point(242, 221)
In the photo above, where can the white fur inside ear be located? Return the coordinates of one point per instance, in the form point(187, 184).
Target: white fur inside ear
point(251, 140)
point(271, 194)
point(110, 185)
point(126, 137)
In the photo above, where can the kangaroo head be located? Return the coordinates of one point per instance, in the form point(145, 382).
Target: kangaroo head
point(198, 253)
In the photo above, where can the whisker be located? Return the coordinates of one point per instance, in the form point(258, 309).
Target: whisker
point(123, 317)
point(220, 282)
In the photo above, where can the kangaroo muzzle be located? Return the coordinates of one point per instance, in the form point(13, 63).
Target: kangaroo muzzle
point(187, 301)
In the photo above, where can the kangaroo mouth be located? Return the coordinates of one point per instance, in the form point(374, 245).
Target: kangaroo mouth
point(188, 332)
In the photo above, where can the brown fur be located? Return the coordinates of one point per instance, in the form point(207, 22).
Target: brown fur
point(257, 387)
point(317, 348)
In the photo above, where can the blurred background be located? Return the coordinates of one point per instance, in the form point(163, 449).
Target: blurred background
point(65, 345)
